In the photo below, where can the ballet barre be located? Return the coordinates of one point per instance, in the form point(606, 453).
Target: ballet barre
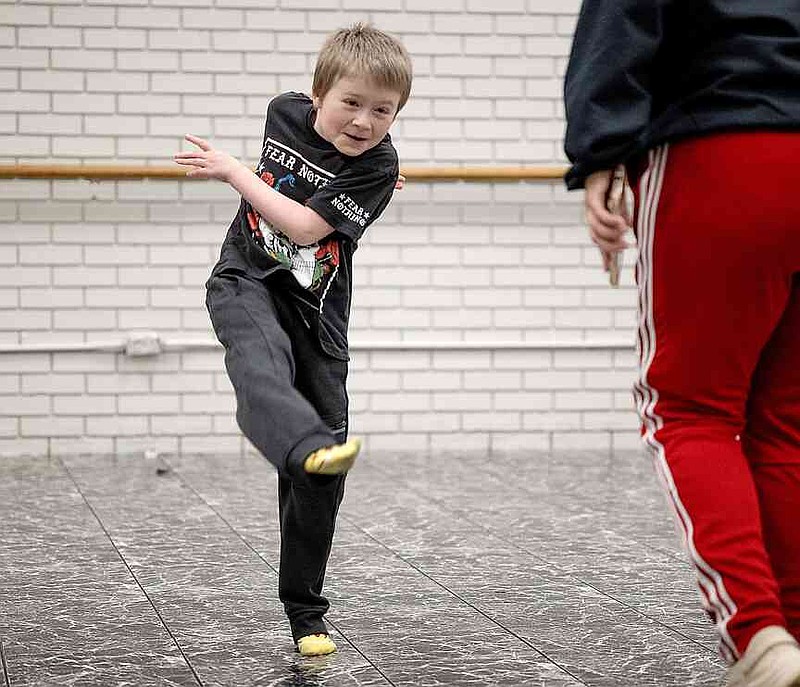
point(94, 172)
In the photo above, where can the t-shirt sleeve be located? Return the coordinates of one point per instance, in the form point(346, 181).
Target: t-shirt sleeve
point(269, 112)
point(356, 197)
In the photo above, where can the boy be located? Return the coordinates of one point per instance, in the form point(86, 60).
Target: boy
point(279, 296)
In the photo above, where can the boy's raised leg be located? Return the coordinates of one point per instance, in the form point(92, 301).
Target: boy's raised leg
point(279, 421)
point(333, 460)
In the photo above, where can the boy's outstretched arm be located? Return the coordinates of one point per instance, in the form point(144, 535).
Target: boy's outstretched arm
point(300, 223)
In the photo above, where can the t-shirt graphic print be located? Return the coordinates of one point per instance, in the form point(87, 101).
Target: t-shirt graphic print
point(313, 266)
point(349, 193)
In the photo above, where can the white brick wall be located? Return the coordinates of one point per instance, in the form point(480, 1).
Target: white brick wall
point(457, 271)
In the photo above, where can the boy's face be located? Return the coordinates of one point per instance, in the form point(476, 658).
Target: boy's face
point(355, 114)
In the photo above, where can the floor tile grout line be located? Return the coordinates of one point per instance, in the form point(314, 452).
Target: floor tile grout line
point(183, 480)
point(650, 547)
point(500, 475)
point(565, 571)
point(395, 554)
point(442, 504)
point(462, 599)
point(6, 678)
point(133, 574)
point(244, 540)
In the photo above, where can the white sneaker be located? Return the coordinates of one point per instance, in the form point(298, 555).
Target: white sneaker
point(772, 659)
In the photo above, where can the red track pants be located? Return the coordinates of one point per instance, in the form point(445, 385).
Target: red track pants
point(718, 394)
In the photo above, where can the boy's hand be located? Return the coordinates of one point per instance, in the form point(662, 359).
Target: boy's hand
point(207, 163)
point(401, 181)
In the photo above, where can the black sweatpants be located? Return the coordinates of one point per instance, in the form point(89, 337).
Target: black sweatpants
point(291, 400)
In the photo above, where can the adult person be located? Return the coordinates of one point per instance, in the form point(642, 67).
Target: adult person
point(700, 101)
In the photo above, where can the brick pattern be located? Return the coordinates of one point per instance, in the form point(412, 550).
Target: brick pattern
point(116, 81)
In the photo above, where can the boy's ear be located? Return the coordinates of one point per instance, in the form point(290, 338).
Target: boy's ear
point(316, 101)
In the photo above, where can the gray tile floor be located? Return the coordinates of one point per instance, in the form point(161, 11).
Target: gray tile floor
point(519, 570)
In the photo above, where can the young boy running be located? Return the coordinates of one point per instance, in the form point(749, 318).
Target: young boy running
point(279, 296)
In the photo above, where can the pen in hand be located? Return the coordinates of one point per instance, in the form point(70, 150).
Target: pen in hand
point(614, 204)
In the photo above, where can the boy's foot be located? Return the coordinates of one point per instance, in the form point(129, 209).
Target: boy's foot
point(772, 659)
point(315, 645)
point(333, 460)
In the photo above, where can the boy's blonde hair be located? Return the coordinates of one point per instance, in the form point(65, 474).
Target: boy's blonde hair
point(362, 50)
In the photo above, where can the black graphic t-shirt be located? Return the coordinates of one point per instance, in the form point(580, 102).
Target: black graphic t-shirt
point(349, 193)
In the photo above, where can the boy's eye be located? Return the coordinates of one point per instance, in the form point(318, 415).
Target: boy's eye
point(351, 103)
point(383, 111)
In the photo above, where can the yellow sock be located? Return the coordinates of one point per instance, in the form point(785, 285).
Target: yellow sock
point(315, 645)
point(333, 460)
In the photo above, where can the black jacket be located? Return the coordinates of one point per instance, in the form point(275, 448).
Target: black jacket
point(643, 72)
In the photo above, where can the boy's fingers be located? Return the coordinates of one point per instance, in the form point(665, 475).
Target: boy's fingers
point(199, 142)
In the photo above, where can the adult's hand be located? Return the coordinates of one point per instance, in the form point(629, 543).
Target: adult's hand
point(607, 227)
